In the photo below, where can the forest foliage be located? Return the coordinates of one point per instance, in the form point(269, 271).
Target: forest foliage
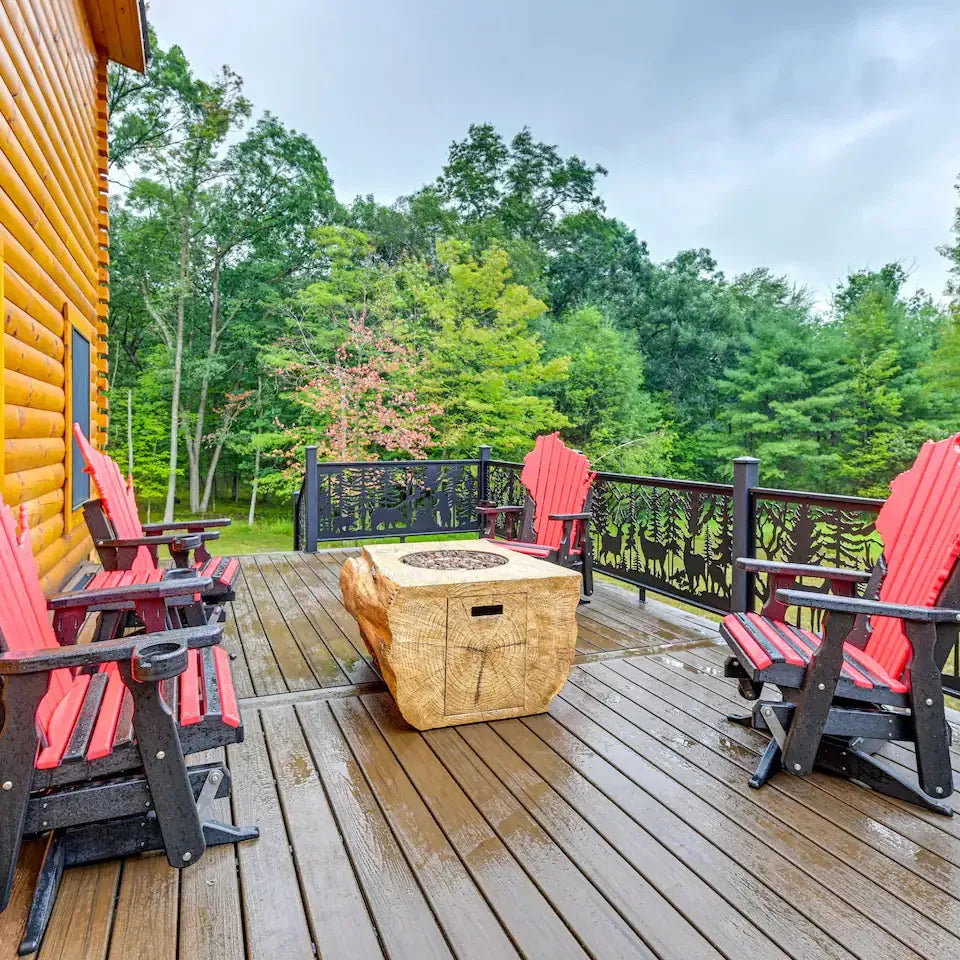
point(253, 312)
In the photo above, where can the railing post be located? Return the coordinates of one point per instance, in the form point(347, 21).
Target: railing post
point(483, 474)
point(746, 475)
point(311, 494)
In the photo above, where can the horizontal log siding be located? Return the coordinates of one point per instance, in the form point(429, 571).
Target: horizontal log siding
point(53, 227)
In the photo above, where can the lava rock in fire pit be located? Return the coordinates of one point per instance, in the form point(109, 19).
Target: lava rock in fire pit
point(453, 560)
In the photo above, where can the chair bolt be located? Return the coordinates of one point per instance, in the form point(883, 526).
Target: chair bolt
point(821, 686)
point(188, 856)
point(796, 767)
point(7, 784)
point(160, 754)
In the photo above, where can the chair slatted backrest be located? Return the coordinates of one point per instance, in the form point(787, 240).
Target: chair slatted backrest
point(116, 496)
point(558, 480)
point(24, 620)
point(920, 527)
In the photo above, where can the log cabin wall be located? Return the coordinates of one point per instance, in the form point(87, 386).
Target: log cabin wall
point(53, 231)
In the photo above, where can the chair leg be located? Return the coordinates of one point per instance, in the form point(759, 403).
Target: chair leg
point(45, 894)
point(769, 764)
point(21, 695)
point(838, 757)
point(215, 832)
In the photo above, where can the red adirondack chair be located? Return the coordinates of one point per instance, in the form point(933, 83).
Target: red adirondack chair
point(93, 735)
point(127, 546)
point(883, 652)
point(555, 518)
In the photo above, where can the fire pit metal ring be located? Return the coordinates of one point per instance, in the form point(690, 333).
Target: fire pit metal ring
point(454, 560)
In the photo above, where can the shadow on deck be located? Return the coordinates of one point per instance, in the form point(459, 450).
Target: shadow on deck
point(618, 825)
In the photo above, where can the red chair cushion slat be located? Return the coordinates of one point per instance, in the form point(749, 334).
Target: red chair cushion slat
point(230, 571)
point(558, 480)
point(61, 723)
point(228, 696)
point(190, 685)
point(123, 578)
point(920, 527)
point(116, 496)
point(859, 667)
point(24, 621)
point(533, 549)
point(105, 729)
point(220, 569)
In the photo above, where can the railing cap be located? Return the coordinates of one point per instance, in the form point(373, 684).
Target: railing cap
point(745, 460)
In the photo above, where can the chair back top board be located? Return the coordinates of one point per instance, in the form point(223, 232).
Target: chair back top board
point(558, 480)
point(116, 496)
point(920, 527)
point(24, 620)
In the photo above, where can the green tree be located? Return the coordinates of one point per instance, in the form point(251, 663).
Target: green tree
point(612, 418)
point(485, 364)
point(784, 403)
point(518, 190)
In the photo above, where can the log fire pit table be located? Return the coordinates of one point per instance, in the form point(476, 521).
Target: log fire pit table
point(464, 630)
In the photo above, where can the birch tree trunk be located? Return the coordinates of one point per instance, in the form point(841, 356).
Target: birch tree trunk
point(211, 474)
point(129, 433)
point(251, 516)
point(177, 369)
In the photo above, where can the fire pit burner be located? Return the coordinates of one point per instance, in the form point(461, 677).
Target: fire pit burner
point(453, 560)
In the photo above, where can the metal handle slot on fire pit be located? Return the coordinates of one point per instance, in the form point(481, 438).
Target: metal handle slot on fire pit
point(488, 610)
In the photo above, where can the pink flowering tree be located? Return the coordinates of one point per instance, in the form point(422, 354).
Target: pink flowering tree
point(360, 400)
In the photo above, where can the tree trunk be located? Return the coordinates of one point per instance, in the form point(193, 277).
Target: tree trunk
point(177, 370)
point(236, 486)
point(195, 503)
point(211, 472)
point(251, 516)
point(129, 433)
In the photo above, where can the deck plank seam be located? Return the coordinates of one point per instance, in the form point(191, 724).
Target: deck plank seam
point(293, 634)
point(816, 809)
point(755, 802)
point(794, 862)
point(248, 599)
point(723, 689)
point(394, 833)
point(663, 891)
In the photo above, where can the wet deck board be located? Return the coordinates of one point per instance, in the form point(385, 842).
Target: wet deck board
point(294, 633)
point(620, 824)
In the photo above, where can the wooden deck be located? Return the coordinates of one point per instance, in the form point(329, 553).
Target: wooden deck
point(618, 825)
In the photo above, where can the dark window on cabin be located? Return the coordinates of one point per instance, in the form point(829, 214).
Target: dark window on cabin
point(80, 373)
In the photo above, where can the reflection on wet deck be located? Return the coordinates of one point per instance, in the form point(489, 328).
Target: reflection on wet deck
point(618, 825)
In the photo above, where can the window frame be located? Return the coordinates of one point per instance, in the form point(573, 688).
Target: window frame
point(73, 320)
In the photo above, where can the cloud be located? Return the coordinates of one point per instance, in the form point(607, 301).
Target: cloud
point(812, 137)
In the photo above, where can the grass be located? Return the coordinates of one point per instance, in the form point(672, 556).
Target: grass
point(272, 531)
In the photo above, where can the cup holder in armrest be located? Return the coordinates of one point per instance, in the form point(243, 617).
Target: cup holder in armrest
point(158, 660)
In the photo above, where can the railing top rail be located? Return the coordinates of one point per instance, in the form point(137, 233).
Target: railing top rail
point(866, 504)
point(506, 463)
point(668, 482)
point(333, 465)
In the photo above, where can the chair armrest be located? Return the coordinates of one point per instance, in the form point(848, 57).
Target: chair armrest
point(106, 651)
point(178, 587)
point(189, 541)
point(874, 608)
point(488, 511)
point(191, 525)
point(570, 516)
point(752, 565)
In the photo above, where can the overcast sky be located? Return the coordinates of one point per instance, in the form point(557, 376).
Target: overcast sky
point(812, 137)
